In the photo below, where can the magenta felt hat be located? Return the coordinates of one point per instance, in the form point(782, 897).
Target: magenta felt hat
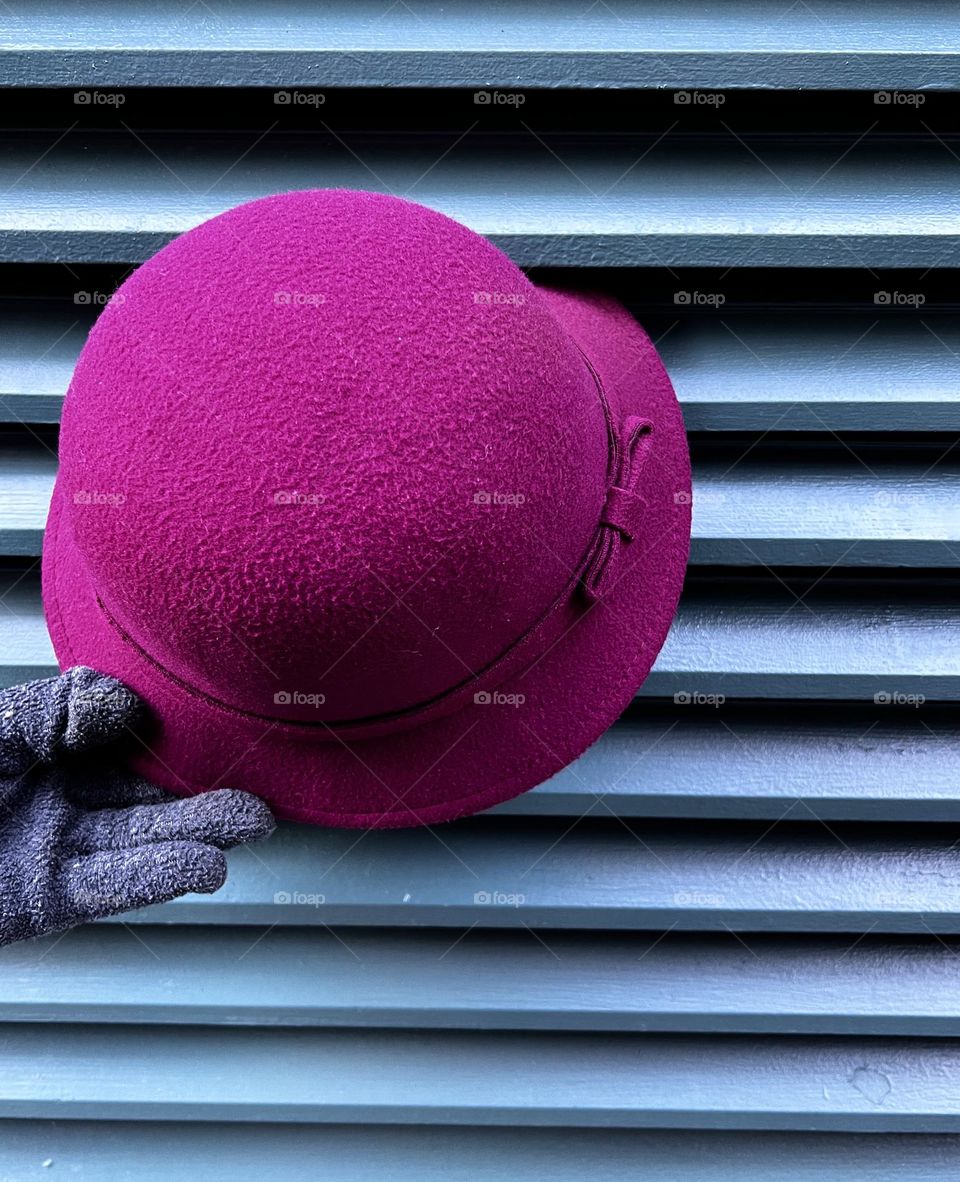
point(380, 530)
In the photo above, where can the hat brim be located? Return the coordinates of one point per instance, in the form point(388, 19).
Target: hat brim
point(466, 761)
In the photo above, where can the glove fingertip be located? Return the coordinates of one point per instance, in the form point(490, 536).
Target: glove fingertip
point(238, 817)
point(202, 868)
point(99, 709)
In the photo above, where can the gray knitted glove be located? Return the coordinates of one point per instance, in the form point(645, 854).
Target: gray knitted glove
point(79, 838)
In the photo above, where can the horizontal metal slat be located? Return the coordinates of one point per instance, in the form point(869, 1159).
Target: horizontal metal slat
point(25, 648)
point(897, 760)
point(464, 44)
point(593, 874)
point(848, 510)
point(155, 1152)
point(484, 981)
point(511, 1078)
point(39, 345)
point(28, 467)
point(889, 763)
point(114, 196)
point(747, 511)
point(816, 373)
point(735, 642)
point(741, 373)
point(856, 642)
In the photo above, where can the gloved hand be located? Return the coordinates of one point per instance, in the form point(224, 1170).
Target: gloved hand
point(79, 838)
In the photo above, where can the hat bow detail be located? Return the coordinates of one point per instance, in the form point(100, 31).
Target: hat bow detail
point(621, 520)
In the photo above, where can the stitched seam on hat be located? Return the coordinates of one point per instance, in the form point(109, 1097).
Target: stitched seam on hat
point(58, 598)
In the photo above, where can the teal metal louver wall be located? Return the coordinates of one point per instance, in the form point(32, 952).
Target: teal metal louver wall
point(722, 945)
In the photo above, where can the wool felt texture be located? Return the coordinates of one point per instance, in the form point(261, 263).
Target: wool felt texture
point(352, 505)
point(79, 837)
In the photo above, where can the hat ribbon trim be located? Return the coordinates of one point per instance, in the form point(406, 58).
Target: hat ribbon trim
point(620, 522)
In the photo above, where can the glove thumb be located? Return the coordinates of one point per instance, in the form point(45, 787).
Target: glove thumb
point(78, 710)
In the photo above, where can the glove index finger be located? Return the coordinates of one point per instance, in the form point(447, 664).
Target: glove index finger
point(224, 818)
point(112, 881)
point(106, 786)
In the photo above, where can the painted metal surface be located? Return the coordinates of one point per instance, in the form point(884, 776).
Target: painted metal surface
point(653, 44)
point(486, 980)
point(732, 372)
point(844, 510)
point(39, 344)
point(599, 873)
point(480, 1078)
point(885, 762)
point(572, 201)
point(766, 642)
point(816, 372)
point(729, 640)
point(152, 1151)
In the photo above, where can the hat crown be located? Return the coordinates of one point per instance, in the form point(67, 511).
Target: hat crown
point(329, 455)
